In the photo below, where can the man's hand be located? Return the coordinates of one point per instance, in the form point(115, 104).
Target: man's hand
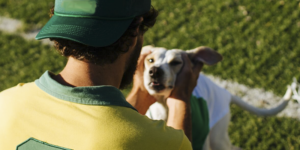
point(179, 101)
point(139, 96)
point(186, 79)
point(138, 78)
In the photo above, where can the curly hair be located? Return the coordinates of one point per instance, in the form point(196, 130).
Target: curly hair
point(108, 54)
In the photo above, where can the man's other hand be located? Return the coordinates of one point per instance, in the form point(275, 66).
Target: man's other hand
point(139, 96)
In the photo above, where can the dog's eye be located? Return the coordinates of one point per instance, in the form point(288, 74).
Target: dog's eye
point(174, 63)
point(151, 60)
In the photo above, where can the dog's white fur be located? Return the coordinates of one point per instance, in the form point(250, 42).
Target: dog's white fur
point(218, 138)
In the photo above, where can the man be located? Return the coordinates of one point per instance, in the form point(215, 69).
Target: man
point(81, 108)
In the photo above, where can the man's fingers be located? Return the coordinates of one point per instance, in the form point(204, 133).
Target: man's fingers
point(197, 67)
point(145, 51)
point(187, 63)
point(142, 57)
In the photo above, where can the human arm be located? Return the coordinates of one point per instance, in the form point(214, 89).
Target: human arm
point(179, 101)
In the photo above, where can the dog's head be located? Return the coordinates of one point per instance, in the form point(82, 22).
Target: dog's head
point(162, 66)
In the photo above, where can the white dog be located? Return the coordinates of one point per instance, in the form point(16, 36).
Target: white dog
point(161, 68)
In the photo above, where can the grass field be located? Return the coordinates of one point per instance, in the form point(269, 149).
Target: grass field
point(32, 12)
point(24, 61)
point(259, 41)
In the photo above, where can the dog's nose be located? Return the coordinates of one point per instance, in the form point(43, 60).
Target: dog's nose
point(155, 72)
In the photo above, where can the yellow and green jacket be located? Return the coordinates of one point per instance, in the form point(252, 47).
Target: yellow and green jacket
point(45, 115)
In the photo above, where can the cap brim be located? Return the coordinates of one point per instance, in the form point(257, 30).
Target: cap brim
point(88, 31)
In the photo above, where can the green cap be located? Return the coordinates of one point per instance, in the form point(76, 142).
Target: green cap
point(96, 23)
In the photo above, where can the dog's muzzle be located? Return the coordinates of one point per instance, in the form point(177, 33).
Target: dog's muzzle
point(156, 74)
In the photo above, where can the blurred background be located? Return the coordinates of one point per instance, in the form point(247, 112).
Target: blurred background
point(259, 41)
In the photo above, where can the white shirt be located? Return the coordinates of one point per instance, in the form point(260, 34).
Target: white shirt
point(217, 99)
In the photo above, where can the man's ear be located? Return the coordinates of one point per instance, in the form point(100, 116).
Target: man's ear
point(204, 54)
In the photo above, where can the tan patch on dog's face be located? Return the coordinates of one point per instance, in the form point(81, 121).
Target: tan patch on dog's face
point(150, 59)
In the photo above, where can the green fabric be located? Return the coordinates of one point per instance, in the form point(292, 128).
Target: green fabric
point(88, 7)
point(94, 17)
point(91, 95)
point(34, 144)
point(200, 122)
point(95, 32)
point(96, 23)
point(109, 9)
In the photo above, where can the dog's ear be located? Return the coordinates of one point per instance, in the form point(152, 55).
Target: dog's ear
point(204, 54)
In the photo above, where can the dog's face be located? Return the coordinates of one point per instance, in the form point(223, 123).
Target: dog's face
point(162, 67)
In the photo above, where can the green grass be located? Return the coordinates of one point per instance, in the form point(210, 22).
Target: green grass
point(33, 13)
point(22, 61)
point(263, 133)
point(259, 41)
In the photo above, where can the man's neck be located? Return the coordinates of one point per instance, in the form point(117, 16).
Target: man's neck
point(80, 73)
